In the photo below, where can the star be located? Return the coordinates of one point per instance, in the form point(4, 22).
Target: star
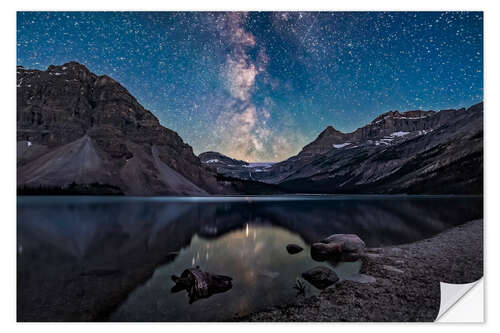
point(260, 85)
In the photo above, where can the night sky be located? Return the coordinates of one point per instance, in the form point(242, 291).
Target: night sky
point(259, 86)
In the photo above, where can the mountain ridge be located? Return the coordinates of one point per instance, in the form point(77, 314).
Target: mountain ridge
point(78, 130)
point(125, 145)
point(372, 163)
point(384, 124)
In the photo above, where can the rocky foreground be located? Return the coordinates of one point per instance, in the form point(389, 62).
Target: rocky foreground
point(406, 286)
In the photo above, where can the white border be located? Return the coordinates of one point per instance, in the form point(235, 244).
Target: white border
point(8, 171)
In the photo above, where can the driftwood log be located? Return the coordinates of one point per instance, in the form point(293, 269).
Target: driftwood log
point(201, 284)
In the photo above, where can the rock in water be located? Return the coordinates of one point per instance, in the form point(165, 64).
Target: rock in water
point(349, 256)
point(338, 247)
point(293, 248)
point(322, 252)
point(320, 276)
point(201, 284)
point(348, 242)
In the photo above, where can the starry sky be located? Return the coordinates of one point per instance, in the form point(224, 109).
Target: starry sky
point(259, 86)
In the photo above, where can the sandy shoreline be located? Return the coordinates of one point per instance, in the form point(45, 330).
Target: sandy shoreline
point(407, 281)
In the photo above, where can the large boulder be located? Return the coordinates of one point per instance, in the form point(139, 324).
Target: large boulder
point(320, 276)
point(348, 242)
point(338, 247)
point(322, 251)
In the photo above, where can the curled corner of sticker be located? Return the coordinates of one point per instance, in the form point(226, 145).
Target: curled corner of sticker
point(456, 306)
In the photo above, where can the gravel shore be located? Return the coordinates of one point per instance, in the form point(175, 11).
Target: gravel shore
point(406, 286)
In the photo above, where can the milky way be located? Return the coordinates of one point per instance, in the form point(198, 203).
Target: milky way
point(260, 85)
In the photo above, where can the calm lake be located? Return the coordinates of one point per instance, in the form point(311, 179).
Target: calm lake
point(112, 258)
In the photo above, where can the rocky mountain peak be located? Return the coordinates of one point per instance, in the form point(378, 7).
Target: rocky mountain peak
point(216, 158)
point(389, 126)
point(413, 114)
point(72, 70)
point(58, 107)
point(418, 113)
point(72, 66)
point(329, 131)
point(476, 107)
point(324, 141)
point(388, 114)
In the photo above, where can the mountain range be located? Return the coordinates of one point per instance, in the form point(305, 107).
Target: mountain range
point(78, 132)
point(398, 152)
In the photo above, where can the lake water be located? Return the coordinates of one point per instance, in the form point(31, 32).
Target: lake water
point(111, 258)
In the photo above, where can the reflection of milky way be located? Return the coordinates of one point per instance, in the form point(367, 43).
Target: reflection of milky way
point(260, 85)
point(103, 248)
point(254, 256)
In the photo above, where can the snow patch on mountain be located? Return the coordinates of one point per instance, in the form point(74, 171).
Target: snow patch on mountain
point(413, 117)
point(399, 134)
point(342, 145)
point(422, 132)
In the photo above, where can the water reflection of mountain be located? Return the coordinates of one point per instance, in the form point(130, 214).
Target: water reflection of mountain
point(78, 260)
point(378, 222)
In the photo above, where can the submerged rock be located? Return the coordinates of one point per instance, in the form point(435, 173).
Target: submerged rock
point(294, 248)
point(200, 284)
point(320, 276)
